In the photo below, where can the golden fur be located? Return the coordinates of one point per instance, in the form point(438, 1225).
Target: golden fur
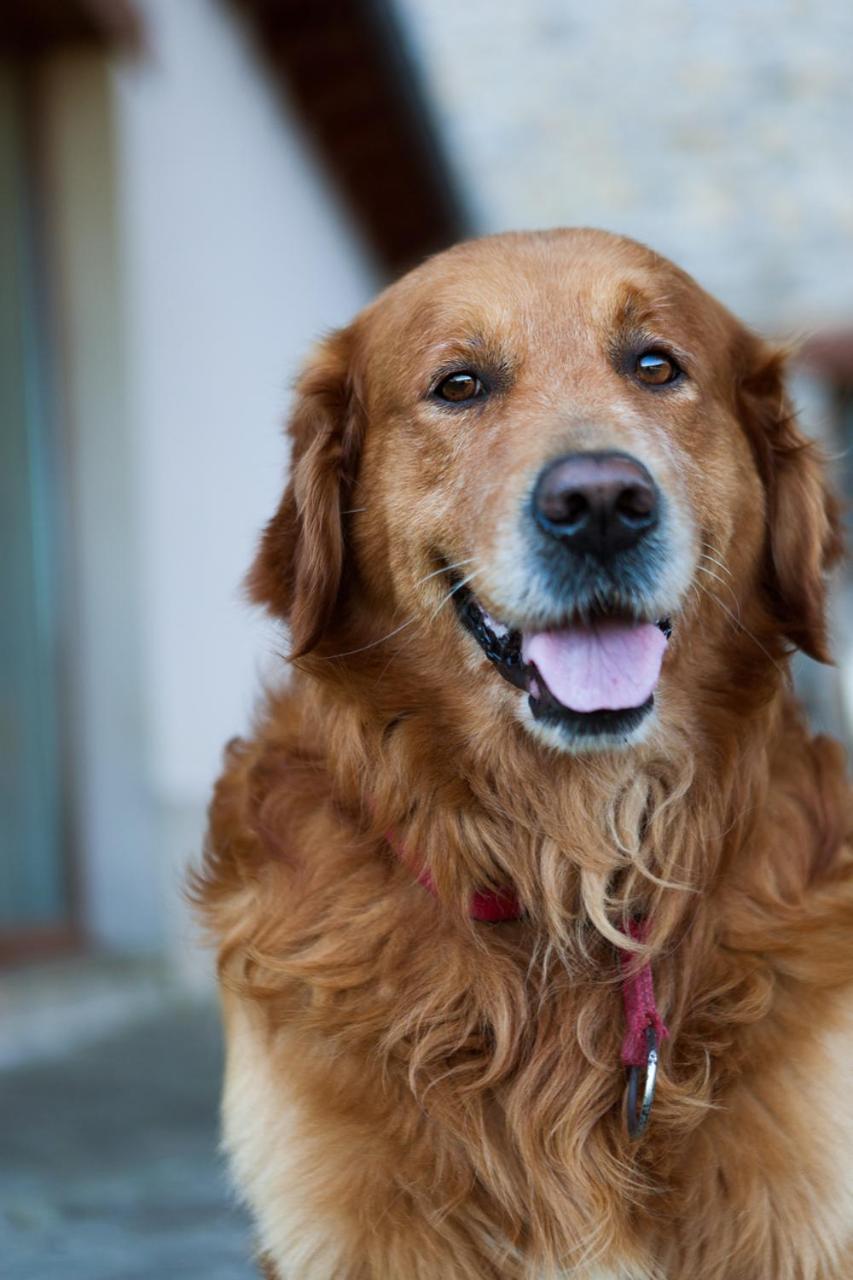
point(411, 1095)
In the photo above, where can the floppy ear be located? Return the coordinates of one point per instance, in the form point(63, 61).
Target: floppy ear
point(298, 569)
point(803, 522)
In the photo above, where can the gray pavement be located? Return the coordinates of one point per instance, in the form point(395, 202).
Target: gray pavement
point(109, 1167)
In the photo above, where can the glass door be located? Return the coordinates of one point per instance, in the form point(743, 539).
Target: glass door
point(34, 880)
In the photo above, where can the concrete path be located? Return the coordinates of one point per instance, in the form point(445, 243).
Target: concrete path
point(108, 1160)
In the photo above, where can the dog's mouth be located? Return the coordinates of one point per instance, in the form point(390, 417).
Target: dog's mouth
point(594, 675)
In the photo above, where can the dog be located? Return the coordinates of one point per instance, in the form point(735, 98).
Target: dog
point(536, 819)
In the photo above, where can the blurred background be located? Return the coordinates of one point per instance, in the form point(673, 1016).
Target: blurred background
point(192, 192)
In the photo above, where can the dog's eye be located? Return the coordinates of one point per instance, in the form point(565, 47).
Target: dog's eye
point(457, 387)
point(656, 369)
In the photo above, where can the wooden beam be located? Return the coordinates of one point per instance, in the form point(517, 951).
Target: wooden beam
point(343, 67)
point(31, 28)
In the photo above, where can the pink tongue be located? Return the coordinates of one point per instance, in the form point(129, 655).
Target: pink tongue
point(606, 667)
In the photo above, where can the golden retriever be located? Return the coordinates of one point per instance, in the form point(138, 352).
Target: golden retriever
point(550, 537)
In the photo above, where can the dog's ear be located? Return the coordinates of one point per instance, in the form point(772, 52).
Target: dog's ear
point(297, 573)
point(804, 535)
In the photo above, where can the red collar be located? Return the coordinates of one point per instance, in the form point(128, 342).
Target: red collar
point(498, 906)
point(487, 906)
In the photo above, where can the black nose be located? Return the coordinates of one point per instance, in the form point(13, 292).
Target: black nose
point(598, 503)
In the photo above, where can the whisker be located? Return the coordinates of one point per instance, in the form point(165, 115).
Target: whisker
point(722, 583)
point(716, 576)
point(716, 599)
point(373, 643)
point(452, 592)
point(445, 568)
point(706, 555)
point(399, 649)
point(713, 554)
point(348, 653)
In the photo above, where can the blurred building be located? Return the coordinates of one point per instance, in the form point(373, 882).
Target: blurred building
point(721, 134)
point(187, 206)
point(194, 190)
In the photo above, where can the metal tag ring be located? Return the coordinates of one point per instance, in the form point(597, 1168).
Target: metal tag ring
point(638, 1119)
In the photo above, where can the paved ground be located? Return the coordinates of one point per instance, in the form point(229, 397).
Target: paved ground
point(108, 1161)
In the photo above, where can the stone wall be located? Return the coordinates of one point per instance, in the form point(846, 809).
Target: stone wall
point(720, 133)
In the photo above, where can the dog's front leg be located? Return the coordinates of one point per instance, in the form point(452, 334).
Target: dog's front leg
point(331, 1180)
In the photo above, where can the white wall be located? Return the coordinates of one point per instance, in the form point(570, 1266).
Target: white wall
point(232, 258)
point(235, 260)
point(111, 826)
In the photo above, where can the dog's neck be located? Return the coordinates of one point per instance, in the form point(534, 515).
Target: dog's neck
point(583, 841)
point(513, 1032)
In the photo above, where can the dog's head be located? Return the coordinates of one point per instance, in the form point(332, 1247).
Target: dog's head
point(562, 480)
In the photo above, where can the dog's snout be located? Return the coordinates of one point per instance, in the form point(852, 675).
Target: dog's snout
point(598, 503)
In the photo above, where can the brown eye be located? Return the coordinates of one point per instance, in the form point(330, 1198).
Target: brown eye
point(656, 369)
point(460, 386)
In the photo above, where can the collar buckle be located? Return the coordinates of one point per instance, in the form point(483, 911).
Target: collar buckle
point(637, 1117)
